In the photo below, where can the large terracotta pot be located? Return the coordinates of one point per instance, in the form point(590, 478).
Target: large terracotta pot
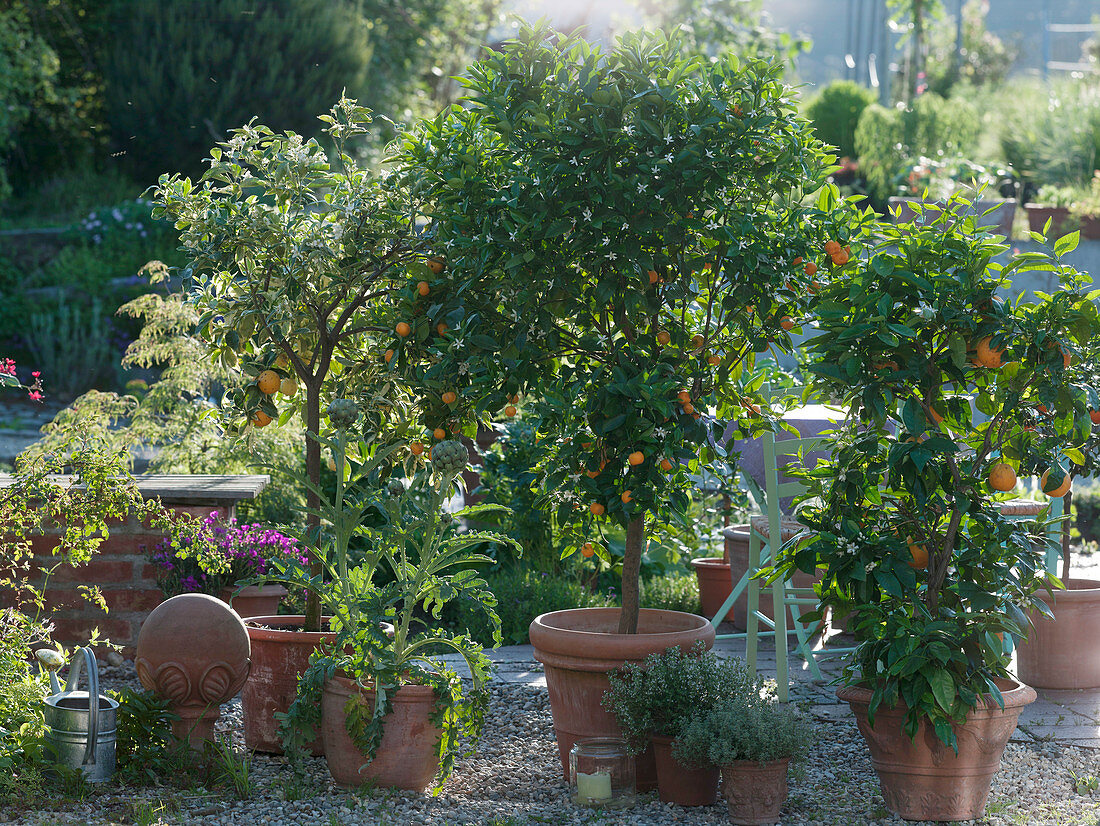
point(1000, 219)
point(737, 555)
point(755, 792)
point(280, 652)
point(580, 645)
point(1090, 228)
point(408, 756)
point(1037, 216)
point(922, 779)
point(679, 784)
point(1064, 652)
point(254, 600)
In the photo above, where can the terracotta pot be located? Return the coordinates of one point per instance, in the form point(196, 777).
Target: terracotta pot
point(1064, 652)
point(1090, 228)
point(1037, 216)
point(280, 652)
point(1000, 219)
point(713, 576)
point(677, 783)
point(579, 646)
point(408, 756)
point(254, 600)
point(737, 553)
point(922, 779)
point(755, 792)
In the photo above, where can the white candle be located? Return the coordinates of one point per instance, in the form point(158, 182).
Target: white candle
point(593, 786)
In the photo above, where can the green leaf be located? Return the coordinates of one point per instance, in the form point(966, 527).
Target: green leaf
point(1067, 243)
point(943, 689)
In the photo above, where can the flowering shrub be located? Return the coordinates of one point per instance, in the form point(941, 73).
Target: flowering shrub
point(125, 223)
point(210, 555)
point(9, 379)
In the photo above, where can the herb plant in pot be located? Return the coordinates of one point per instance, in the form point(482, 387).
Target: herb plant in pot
point(389, 711)
point(946, 386)
point(752, 738)
point(617, 234)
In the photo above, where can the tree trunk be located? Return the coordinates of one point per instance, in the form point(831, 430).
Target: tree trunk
point(632, 566)
point(1067, 500)
point(313, 521)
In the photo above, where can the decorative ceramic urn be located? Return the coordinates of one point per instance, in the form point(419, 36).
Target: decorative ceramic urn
point(193, 650)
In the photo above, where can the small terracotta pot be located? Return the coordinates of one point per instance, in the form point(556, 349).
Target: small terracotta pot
point(280, 652)
point(408, 756)
point(922, 779)
point(713, 576)
point(254, 600)
point(1090, 228)
point(755, 792)
point(1064, 652)
point(677, 783)
point(579, 646)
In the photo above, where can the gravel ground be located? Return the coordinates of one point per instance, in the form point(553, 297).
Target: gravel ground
point(515, 779)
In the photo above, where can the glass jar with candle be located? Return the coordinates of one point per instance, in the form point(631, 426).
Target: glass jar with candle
point(602, 773)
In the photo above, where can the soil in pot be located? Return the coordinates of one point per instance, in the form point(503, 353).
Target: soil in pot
point(755, 792)
point(922, 779)
point(254, 600)
point(579, 646)
point(407, 758)
point(280, 652)
point(679, 784)
point(1064, 652)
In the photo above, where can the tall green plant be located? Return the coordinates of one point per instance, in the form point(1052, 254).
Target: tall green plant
point(617, 234)
point(835, 111)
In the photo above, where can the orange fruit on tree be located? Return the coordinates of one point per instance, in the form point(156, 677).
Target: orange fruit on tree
point(423, 288)
point(441, 328)
point(282, 361)
point(591, 474)
point(1095, 416)
point(587, 550)
point(714, 361)
point(402, 329)
point(666, 465)
point(653, 277)
point(832, 247)
point(1056, 484)
point(664, 338)
point(810, 268)
point(268, 382)
point(416, 448)
point(918, 555)
point(636, 458)
point(514, 398)
point(986, 355)
point(840, 258)
point(436, 265)
point(510, 410)
point(698, 340)
point(288, 386)
point(1002, 477)
point(260, 419)
point(796, 261)
point(449, 397)
point(626, 497)
point(439, 433)
point(388, 356)
point(597, 509)
point(689, 408)
point(684, 396)
point(787, 323)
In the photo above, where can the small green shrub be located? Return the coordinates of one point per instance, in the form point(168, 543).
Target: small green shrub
point(1086, 502)
point(21, 720)
point(752, 725)
point(73, 344)
point(674, 591)
point(835, 111)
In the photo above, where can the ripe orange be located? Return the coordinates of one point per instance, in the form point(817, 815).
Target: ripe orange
point(1002, 477)
point(587, 550)
point(666, 465)
point(918, 555)
point(439, 433)
point(636, 458)
point(626, 497)
point(796, 261)
point(597, 509)
point(441, 328)
point(786, 323)
point(416, 448)
point(388, 356)
point(260, 419)
point(1066, 358)
point(684, 396)
point(288, 386)
point(714, 361)
point(1056, 484)
point(402, 329)
point(510, 410)
point(840, 258)
point(698, 340)
point(423, 287)
point(810, 268)
point(653, 277)
point(832, 247)
point(689, 408)
point(268, 381)
point(436, 265)
point(986, 355)
point(1095, 416)
point(448, 397)
point(663, 338)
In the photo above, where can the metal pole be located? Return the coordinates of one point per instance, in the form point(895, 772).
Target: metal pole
point(1044, 21)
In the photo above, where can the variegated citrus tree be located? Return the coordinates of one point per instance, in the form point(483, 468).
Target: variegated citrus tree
point(615, 235)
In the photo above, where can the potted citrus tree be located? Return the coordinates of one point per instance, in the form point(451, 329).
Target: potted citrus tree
point(946, 386)
point(615, 235)
point(294, 257)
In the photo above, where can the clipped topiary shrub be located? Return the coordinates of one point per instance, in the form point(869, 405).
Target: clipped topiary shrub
point(835, 111)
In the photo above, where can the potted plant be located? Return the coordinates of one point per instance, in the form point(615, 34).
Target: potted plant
point(1051, 204)
point(294, 257)
point(212, 555)
point(924, 185)
point(615, 235)
point(752, 738)
point(1086, 208)
point(389, 711)
point(652, 701)
point(946, 385)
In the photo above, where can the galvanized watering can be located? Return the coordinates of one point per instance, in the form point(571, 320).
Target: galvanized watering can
point(79, 734)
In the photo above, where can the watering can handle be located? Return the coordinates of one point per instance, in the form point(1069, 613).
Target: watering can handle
point(93, 698)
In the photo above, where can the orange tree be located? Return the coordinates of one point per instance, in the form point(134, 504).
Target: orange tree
point(615, 235)
point(293, 259)
point(946, 384)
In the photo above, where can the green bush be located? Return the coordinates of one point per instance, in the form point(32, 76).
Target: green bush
point(672, 592)
point(887, 138)
point(835, 111)
point(1086, 503)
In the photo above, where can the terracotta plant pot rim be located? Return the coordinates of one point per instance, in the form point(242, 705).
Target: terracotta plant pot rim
point(576, 635)
point(710, 562)
point(1014, 693)
point(280, 633)
point(406, 693)
point(1076, 590)
point(262, 590)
